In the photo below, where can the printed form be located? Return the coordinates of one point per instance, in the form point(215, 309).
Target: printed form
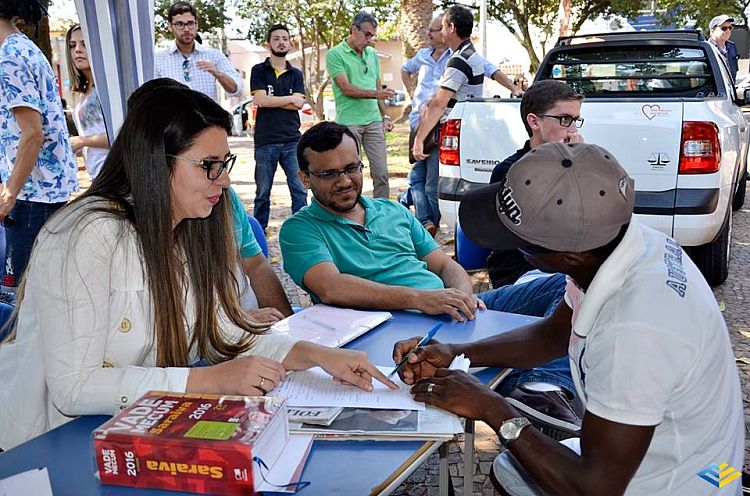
point(314, 387)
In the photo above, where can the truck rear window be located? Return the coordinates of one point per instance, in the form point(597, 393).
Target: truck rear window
point(635, 71)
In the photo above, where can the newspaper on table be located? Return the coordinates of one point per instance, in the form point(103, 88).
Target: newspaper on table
point(389, 424)
point(317, 415)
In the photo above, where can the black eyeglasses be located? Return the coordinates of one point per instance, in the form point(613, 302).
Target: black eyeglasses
point(565, 120)
point(333, 175)
point(182, 25)
point(186, 70)
point(214, 168)
point(531, 250)
point(364, 64)
point(726, 28)
point(368, 34)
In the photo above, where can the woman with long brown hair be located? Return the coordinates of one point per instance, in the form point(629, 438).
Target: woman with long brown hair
point(88, 117)
point(136, 280)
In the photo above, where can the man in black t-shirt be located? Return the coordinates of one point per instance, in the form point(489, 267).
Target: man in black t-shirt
point(551, 111)
point(279, 92)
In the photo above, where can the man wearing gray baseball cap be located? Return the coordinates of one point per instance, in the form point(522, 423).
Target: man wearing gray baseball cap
point(649, 350)
point(720, 29)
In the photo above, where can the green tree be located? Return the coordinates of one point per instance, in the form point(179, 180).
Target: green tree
point(700, 11)
point(316, 24)
point(211, 16)
point(532, 20)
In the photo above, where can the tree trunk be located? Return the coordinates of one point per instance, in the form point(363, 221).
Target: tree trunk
point(415, 20)
point(416, 16)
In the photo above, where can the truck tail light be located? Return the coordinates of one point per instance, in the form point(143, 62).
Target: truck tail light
point(700, 152)
point(449, 137)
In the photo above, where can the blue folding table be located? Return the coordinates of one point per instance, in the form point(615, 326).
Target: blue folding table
point(333, 468)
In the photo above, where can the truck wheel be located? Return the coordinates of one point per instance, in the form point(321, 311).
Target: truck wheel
point(713, 258)
point(739, 196)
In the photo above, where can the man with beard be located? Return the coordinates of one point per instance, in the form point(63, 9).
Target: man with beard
point(279, 92)
point(191, 63)
point(349, 250)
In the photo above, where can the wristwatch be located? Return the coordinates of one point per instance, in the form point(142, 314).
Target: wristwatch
point(511, 429)
point(386, 117)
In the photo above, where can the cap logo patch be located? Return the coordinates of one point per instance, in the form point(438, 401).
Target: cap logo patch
point(623, 186)
point(506, 204)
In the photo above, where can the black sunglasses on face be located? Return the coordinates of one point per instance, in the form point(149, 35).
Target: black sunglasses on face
point(214, 168)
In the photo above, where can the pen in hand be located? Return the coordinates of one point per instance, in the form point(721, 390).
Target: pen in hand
point(423, 342)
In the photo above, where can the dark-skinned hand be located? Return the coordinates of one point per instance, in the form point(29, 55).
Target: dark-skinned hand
point(422, 361)
point(457, 392)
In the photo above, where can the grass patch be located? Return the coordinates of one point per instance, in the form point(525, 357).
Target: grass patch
point(397, 147)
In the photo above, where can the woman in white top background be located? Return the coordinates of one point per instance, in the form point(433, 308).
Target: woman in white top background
point(92, 139)
point(137, 279)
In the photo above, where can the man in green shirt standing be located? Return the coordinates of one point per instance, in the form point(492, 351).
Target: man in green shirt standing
point(355, 70)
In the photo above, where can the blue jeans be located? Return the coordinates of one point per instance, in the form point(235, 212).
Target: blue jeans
point(537, 298)
point(423, 185)
point(267, 157)
point(28, 217)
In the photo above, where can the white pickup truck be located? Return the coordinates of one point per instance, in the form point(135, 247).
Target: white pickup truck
point(662, 102)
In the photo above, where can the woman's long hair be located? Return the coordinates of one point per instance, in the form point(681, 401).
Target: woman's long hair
point(164, 117)
point(79, 83)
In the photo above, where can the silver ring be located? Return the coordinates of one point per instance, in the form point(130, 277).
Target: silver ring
point(430, 386)
point(260, 386)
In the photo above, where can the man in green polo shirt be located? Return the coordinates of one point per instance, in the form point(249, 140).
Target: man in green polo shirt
point(354, 67)
point(349, 250)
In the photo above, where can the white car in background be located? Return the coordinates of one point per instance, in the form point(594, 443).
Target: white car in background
point(241, 113)
point(662, 102)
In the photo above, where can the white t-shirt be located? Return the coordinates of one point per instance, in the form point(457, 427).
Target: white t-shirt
point(89, 121)
point(650, 347)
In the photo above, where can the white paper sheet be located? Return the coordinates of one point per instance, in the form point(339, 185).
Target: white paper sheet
point(329, 326)
point(288, 466)
point(460, 362)
point(34, 482)
point(314, 387)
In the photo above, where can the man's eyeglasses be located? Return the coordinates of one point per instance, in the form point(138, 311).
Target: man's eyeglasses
point(184, 25)
point(565, 120)
point(436, 30)
point(186, 70)
point(726, 28)
point(214, 168)
point(364, 64)
point(368, 34)
point(333, 175)
point(531, 250)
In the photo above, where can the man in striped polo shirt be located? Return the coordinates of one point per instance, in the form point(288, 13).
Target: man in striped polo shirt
point(463, 77)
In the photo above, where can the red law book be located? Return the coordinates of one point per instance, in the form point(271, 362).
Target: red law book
point(198, 443)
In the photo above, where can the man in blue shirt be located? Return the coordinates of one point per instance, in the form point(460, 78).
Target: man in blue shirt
point(429, 63)
point(721, 28)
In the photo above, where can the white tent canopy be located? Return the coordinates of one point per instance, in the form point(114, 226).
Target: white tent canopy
point(119, 38)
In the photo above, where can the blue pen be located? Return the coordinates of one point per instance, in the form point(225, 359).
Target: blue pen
point(423, 342)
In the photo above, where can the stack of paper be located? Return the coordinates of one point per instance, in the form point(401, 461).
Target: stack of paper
point(381, 414)
point(329, 326)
